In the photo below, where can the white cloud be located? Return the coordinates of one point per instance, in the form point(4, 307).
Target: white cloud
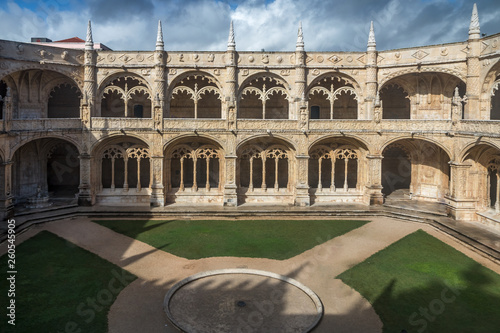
point(203, 24)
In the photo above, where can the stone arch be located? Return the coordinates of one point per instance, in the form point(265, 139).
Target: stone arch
point(195, 94)
point(416, 137)
point(333, 96)
point(73, 75)
point(263, 138)
point(48, 167)
point(468, 147)
point(97, 146)
point(419, 70)
point(105, 81)
point(489, 91)
point(479, 177)
point(352, 140)
point(71, 140)
point(415, 169)
point(264, 96)
point(203, 136)
point(429, 94)
point(30, 90)
point(336, 169)
point(125, 94)
point(265, 170)
point(193, 170)
point(122, 170)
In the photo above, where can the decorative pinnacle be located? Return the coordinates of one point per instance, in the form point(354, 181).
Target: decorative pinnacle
point(89, 43)
point(159, 38)
point(231, 44)
point(474, 30)
point(372, 45)
point(300, 39)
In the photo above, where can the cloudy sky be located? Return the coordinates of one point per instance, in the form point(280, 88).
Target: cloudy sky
point(339, 25)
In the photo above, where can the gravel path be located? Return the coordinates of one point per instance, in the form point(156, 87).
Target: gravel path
point(139, 307)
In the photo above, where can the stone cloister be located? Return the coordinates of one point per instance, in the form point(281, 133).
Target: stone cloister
point(231, 128)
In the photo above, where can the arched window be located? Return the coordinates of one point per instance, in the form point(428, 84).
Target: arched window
point(123, 96)
point(264, 98)
point(192, 166)
point(64, 102)
point(335, 98)
point(196, 96)
point(125, 168)
point(395, 102)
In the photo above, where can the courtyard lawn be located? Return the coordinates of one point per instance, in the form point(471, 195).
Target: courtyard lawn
point(424, 285)
point(60, 287)
point(274, 239)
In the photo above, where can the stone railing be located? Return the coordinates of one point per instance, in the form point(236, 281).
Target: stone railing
point(190, 124)
point(267, 124)
point(480, 126)
point(121, 123)
point(45, 124)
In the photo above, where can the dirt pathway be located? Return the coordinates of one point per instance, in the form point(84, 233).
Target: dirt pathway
point(139, 307)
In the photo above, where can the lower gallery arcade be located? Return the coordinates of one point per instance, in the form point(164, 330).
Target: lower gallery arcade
point(263, 169)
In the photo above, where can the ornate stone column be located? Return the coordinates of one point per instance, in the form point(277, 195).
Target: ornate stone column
point(160, 81)
point(6, 205)
point(302, 183)
point(472, 109)
point(374, 188)
point(85, 197)
point(230, 161)
point(157, 159)
point(371, 77)
point(157, 193)
point(460, 206)
point(7, 111)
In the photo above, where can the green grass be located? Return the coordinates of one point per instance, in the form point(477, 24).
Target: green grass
point(56, 285)
point(274, 239)
point(424, 285)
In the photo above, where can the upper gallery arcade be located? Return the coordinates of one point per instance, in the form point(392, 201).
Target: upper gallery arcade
point(229, 127)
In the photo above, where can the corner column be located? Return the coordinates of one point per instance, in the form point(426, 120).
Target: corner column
point(85, 193)
point(374, 189)
point(6, 205)
point(460, 206)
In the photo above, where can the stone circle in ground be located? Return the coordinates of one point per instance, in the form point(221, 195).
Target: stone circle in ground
point(242, 300)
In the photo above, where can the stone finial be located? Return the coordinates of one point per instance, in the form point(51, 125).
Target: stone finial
point(159, 38)
point(474, 30)
point(89, 43)
point(372, 45)
point(231, 44)
point(300, 39)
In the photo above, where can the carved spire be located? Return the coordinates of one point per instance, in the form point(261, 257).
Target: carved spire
point(89, 43)
point(159, 38)
point(372, 45)
point(474, 30)
point(231, 45)
point(300, 39)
